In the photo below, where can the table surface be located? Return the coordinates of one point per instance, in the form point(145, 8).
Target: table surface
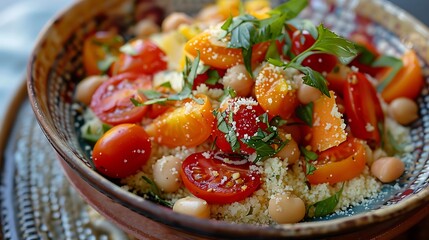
point(22, 20)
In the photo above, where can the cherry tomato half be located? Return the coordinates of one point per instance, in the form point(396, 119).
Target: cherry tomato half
point(363, 109)
point(122, 151)
point(321, 62)
point(245, 113)
point(142, 57)
point(111, 101)
point(341, 163)
point(206, 176)
point(102, 46)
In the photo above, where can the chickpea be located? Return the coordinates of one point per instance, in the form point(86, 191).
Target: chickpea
point(238, 79)
point(192, 206)
point(403, 110)
point(166, 173)
point(86, 88)
point(308, 94)
point(387, 169)
point(290, 152)
point(174, 20)
point(286, 208)
point(145, 28)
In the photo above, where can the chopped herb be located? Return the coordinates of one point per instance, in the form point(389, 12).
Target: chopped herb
point(167, 85)
point(326, 206)
point(154, 193)
point(387, 61)
point(224, 127)
point(92, 135)
point(278, 121)
point(305, 113)
point(213, 77)
point(228, 92)
point(246, 30)
point(150, 94)
point(263, 142)
point(393, 143)
point(364, 55)
point(128, 49)
point(264, 118)
point(309, 157)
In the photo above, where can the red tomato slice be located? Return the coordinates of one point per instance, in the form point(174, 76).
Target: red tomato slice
point(341, 163)
point(144, 57)
point(111, 101)
point(363, 109)
point(202, 78)
point(245, 113)
point(206, 176)
point(122, 151)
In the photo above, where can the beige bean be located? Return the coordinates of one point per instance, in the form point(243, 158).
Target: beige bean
point(192, 206)
point(174, 20)
point(286, 208)
point(146, 27)
point(86, 88)
point(238, 79)
point(166, 173)
point(403, 110)
point(387, 169)
point(308, 94)
point(290, 152)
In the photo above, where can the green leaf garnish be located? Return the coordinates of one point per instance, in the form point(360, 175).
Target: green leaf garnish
point(309, 157)
point(150, 93)
point(263, 142)
point(105, 64)
point(313, 78)
point(364, 55)
point(154, 193)
point(387, 61)
point(305, 113)
point(326, 206)
point(213, 77)
point(226, 128)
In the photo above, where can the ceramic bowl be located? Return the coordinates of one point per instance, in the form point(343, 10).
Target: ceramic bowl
point(56, 66)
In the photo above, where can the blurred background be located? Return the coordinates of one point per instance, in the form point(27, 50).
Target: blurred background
point(22, 20)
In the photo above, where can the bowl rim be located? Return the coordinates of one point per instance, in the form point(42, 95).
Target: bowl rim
point(160, 214)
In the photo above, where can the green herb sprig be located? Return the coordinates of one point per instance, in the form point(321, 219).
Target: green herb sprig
point(155, 194)
point(309, 157)
point(327, 205)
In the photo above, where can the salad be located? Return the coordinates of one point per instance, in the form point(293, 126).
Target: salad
point(246, 112)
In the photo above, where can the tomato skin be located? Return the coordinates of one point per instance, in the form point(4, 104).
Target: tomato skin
point(148, 58)
point(211, 179)
point(245, 117)
point(275, 93)
point(97, 47)
point(365, 42)
point(111, 101)
point(188, 125)
point(363, 108)
point(408, 82)
point(340, 163)
point(320, 62)
point(122, 151)
point(221, 57)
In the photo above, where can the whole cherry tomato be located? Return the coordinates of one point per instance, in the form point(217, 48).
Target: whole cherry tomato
point(111, 101)
point(141, 57)
point(122, 151)
point(321, 62)
point(206, 176)
point(363, 109)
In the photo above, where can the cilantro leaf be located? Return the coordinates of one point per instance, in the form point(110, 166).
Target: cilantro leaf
point(387, 61)
point(328, 205)
point(305, 113)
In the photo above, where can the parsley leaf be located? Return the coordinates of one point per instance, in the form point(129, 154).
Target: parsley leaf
point(305, 113)
point(387, 61)
point(312, 78)
point(328, 205)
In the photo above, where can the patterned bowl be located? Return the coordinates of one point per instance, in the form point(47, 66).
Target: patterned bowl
point(56, 66)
